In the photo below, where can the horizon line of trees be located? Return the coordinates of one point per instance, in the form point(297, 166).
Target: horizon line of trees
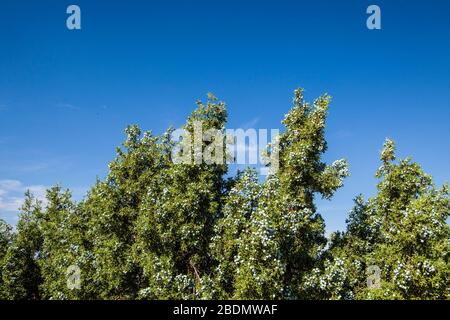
point(155, 229)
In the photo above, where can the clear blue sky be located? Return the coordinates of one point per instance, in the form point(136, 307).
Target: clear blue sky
point(66, 96)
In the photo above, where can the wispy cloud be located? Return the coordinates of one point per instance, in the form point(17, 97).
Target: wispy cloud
point(12, 195)
point(250, 124)
point(343, 134)
point(34, 167)
point(41, 163)
point(67, 106)
point(12, 191)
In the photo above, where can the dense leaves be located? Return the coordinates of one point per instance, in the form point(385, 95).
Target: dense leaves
point(402, 232)
point(157, 228)
point(21, 274)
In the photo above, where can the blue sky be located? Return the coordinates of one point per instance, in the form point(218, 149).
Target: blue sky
point(66, 96)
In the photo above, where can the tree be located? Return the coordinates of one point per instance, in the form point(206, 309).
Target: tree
point(284, 235)
point(402, 232)
point(239, 207)
point(178, 214)
point(167, 223)
point(6, 238)
point(21, 272)
point(64, 246)
point(112, 208)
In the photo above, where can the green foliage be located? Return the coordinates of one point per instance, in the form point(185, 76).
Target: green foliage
point(239, 208)
point(155, 228)
point(177, 217)
point(6, 238)
point(275, 235)
point(112, 208)
point(403, 231)
point(21, 273)
point(63, 230)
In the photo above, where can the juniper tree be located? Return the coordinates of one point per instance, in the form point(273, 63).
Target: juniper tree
point(413, 238)
point(6, 237)
point(21, 272)
point(178, 214)
point(284, 234)
point(157, 228)
point(343, 267)
point(239, 206)
point(112, 207)
point(403, 231)
point(64, 246)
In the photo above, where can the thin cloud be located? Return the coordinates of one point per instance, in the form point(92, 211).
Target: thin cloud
point(62, 163)
point(10, 203)
point(343, 134)
point(12, 196)
point(250, 124)
point(67, 106)
point(35, 167)
point(12, 191)
point(10, 185)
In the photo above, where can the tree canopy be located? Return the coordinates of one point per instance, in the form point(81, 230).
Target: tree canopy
point(156, 228)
